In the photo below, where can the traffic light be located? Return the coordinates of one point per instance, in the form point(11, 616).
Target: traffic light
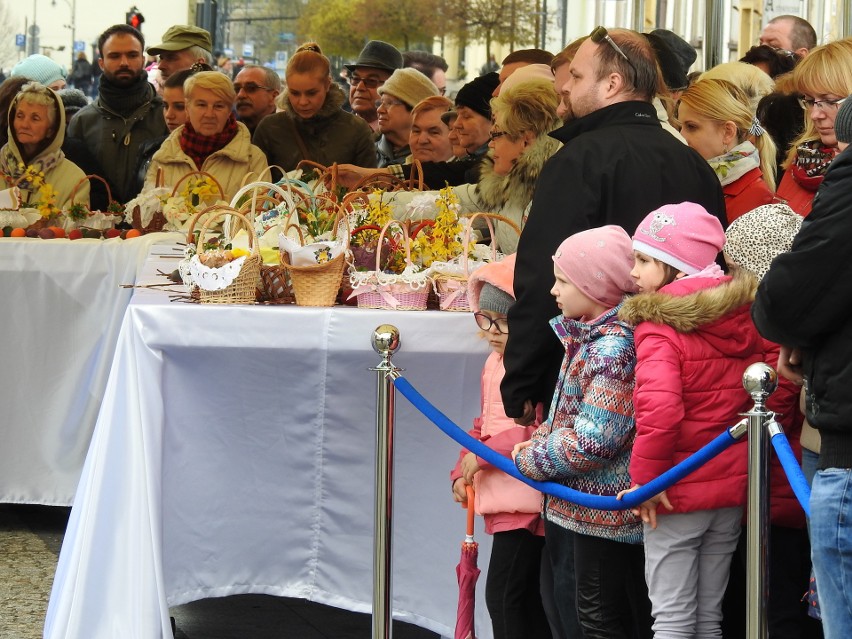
point(134, 18)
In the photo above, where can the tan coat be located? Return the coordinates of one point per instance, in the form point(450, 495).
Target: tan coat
point(229, 165)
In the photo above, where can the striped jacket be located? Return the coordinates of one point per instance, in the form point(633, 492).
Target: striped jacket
point(586, 441)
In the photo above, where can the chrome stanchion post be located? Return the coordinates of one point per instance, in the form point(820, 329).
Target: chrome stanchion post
point(759, 381)
point(385, 341)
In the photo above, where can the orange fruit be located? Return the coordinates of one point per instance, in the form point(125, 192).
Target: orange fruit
point(1, 233)
point(18, 233)
point(132, 233)
point(58, 231)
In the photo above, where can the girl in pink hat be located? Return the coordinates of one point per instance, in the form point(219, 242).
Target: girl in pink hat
point(511, 509)
point(586, 440)
point(694, 338)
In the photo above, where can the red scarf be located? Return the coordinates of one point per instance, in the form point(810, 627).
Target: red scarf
point(811, 163)
point(199, 147)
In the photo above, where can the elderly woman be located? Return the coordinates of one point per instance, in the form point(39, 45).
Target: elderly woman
point(398, 96)
point(312, 126)
point(36, 132)
point(211, 139)
point(524, 114)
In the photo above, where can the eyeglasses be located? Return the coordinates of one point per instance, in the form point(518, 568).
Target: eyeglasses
point(485, 323)
point(809, 103)
point(251, 87)
point(497, 134)
point(370, 83)
point(600, 34)
point(387, 104)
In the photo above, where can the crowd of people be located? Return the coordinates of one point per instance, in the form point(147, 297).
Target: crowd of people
point(662, 250)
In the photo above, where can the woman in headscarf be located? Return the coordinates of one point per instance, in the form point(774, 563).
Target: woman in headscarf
point(32, 158)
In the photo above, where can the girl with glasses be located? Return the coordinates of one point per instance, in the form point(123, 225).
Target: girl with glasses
point(510, 509)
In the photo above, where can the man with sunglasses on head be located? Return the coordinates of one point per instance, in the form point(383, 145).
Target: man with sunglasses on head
point(256, 87)
point(790, 34)
point(374, 65)
point(615, 166)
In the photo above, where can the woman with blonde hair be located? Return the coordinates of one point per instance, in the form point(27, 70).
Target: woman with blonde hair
point(748, 78)
point(824, 80)
point(312, 125)
point(36, 131)
point(210, 140)
point(524, 115)
point(717, 121)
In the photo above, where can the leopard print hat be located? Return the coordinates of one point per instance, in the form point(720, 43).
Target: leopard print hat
point(756, 238)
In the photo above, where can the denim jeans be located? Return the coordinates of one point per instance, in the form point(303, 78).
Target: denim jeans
point(831, 548)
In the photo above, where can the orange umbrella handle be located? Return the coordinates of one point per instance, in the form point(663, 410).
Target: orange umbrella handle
point(470, 509)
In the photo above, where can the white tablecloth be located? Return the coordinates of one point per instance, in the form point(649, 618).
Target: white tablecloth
point(60, 312)
point(234, 453)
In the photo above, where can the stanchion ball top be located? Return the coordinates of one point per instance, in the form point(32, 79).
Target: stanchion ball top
point(760, 378)
point(385, 339)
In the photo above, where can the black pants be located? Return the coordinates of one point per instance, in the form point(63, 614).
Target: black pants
point(560, 545)
point(512, 589)
point(612, 597)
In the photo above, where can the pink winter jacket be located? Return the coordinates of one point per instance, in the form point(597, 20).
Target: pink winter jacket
point(694, 338)
point(503, 501)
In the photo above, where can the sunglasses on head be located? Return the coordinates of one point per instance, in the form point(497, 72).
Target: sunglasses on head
point(600, 34)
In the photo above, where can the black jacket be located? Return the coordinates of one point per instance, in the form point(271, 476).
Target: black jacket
point(616, 166)
point(805, 301)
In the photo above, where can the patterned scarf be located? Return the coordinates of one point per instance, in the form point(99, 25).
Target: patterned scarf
point(199, 147)
point(811, 163)
point(14, 168)
point(731, 166)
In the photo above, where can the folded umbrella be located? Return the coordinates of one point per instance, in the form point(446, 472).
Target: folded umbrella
point(467, 574)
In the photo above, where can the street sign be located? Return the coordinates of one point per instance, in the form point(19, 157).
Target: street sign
point(228, 53)
point(79, 45)
point(20, 40)
point(248, 50)
point(280, 60)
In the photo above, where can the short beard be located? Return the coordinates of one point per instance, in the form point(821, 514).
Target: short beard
point(123, 81)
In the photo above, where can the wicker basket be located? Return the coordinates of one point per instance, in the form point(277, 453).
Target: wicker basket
point(243, 288)
point(451, 289)
point(382, 291)
point(319, 284)
point(158, 221)
point(387, 182)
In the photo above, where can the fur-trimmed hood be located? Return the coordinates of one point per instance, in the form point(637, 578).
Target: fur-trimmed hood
point(692, 303)
point(515, 190)
point(334, 99)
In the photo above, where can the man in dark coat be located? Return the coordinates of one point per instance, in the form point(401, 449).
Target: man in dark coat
point(804, 302)
point(617, 164)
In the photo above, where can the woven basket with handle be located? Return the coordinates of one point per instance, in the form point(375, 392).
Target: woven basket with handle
point(243, 289)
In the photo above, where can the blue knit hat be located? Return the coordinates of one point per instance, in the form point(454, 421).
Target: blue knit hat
point(39, 68)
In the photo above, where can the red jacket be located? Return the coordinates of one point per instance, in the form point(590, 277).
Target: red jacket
point(746, 193)
point(694, 339)
point(798, 197)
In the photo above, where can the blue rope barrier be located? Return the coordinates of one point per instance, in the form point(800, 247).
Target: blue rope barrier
point(793, 470)
point(599, 502)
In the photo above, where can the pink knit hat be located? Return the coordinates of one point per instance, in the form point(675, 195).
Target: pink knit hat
point(598, 262)
point(682, 235)
point(499, 274)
